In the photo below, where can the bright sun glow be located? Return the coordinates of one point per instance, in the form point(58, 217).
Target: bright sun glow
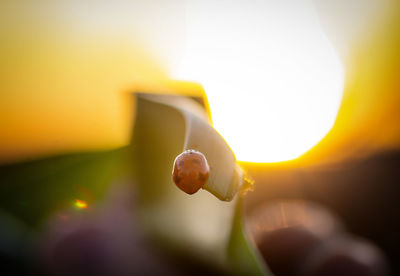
point(273, 79)
point(80, 204)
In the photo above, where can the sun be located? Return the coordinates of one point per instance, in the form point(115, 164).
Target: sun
point(272, 77)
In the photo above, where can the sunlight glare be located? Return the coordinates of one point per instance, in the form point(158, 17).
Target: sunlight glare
point(273, 80)
point(80, 204)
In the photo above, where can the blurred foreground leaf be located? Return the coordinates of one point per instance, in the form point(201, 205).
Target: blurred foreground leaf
point(202, 226)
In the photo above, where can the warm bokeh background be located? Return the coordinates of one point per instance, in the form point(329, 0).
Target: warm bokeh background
point(65, 68)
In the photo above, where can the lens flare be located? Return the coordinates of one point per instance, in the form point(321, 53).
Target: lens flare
point(80, 204)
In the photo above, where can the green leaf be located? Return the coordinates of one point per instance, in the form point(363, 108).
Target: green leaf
point(200, 224)
point(166, 126)
point(35, 189)
point(243, 258)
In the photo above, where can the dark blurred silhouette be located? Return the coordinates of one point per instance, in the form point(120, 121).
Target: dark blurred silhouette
point(362, 192)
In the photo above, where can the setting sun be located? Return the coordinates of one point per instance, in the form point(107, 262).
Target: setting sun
point(273, 79)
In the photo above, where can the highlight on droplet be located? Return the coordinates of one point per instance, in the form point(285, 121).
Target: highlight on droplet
point(80, 204)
